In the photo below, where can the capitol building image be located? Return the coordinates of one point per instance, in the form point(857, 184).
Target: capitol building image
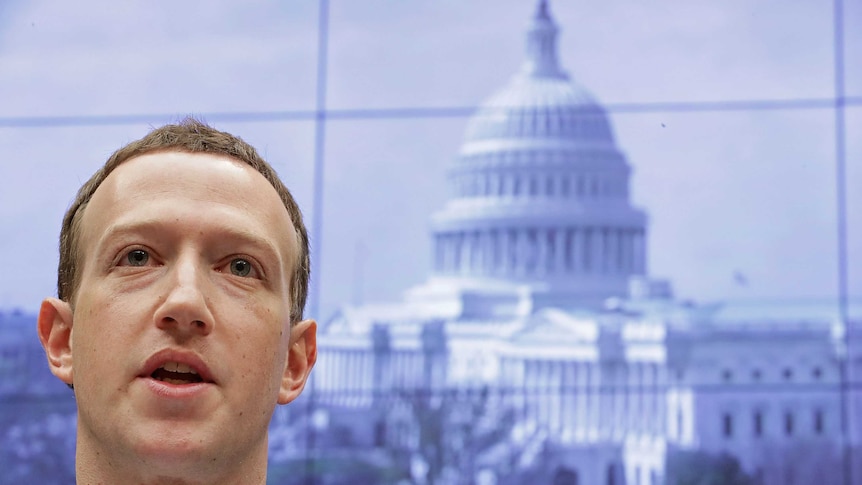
point(541, 298)
point(540, 349)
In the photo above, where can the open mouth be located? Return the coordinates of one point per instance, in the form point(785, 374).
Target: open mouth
point(176, 373)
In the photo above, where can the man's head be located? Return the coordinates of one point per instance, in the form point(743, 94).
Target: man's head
point(190, 136)
point(183, 271)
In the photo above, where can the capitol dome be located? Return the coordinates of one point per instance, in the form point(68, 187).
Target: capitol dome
point(539, 190)
point(541, 102)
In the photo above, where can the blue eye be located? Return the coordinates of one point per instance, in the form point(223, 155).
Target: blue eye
point(137, 257)
point(240, 267)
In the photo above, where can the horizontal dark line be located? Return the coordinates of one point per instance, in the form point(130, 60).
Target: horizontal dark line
point(413, 113)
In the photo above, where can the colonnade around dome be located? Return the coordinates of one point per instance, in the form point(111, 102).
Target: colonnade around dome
point(523, 251)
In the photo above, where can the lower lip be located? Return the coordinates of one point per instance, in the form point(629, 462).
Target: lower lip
point(176, 391)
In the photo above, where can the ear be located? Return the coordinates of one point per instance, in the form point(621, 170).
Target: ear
point(301, 356)
point(55, 332)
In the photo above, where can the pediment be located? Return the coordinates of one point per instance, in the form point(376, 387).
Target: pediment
point(554, 326)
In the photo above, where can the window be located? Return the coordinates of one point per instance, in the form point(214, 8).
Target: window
point(788, 373)
point(817, 373)
point(818, 421)
point(727, 375)
point(565, 476)
point(380, 433)
point(727, 425)
point(758, 423)
point(756, 375)
point(788, 423)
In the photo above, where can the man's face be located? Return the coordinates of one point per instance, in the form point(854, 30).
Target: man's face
point(181, 343)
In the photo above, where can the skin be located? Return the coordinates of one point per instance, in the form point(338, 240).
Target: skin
point(197, 218)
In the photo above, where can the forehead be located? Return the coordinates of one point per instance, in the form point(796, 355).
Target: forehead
point(202, 191)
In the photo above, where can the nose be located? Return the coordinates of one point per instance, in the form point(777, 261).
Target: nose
point(184, 309)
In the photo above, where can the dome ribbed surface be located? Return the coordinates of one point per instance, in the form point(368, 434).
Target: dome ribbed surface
point(538, 107)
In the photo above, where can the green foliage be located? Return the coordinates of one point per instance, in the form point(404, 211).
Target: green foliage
point(701, 468)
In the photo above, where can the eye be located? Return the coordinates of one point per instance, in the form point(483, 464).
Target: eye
point(137, 257)
point(240, 267)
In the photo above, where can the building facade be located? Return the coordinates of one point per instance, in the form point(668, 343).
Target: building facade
point(540, 295)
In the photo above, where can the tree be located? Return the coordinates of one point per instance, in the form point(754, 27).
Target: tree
point(702, 468)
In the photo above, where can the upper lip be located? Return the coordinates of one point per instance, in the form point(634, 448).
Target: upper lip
point(186, 357)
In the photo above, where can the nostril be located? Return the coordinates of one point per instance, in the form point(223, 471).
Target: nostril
point(199, 323)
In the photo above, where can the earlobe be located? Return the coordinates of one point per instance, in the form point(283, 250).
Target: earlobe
point(301, 356)
point(55, 332)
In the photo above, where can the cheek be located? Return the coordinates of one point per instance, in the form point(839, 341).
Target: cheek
point(263, 342)
point(101, 330)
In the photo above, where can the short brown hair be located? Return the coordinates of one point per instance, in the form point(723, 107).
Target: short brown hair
point(190, 136)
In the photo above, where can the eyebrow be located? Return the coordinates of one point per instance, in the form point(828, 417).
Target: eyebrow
point(223, 233)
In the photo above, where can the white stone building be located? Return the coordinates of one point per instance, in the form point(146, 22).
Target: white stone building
point(540, 290)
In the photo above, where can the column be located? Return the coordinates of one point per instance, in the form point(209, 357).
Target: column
point(585, 248)
point(540, 251)
point(560, 250)
point(513, 251)
point(598, 250)
point(621, 251)
point(639, 252)
point(627, 250)
point(364, 381)
point(570, 390)
point(521, 251)
point(575, 249)
point(448, 250)
point(531, 251)
point(466, 253)
point(512, 256)
point(481, 252)
point(493, 251)
point(610, 259)
point(582, 419)
point(503, 249)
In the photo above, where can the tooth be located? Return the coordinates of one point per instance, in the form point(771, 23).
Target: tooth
point(185, 369)
point(170, 366)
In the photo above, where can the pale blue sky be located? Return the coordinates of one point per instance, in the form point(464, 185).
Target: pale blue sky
point(726, 191)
